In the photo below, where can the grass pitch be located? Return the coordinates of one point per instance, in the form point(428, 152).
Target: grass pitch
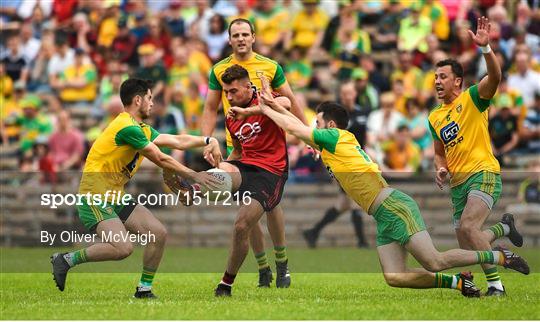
point(314, 294)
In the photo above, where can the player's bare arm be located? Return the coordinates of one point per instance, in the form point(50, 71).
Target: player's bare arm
point(212, 151)
point(164, 161)
point(297, 110)
point(287, 122)
point(489, 84)
point(243, 112)
point(441, 167)
point(209, 116)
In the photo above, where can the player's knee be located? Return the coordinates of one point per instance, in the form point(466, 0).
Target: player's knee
point(123, 250)
point(434, 264)
point(394, 279)
point(161, 234)
point(241, 229)
point(469, 233)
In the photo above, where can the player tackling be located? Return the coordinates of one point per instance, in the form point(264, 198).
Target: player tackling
point(463, 147)
point(400, 226)
point(113, 160)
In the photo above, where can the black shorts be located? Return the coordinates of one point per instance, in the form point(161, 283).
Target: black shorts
point(263, 185)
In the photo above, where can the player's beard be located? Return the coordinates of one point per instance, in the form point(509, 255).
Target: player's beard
point(144, 113)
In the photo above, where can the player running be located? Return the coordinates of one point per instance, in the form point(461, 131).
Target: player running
point(463, 147)
point(113, 160)
point(400, 227)
point(241, 39)
point(260, 158)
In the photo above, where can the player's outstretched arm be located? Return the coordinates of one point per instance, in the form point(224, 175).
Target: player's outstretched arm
point(243, 112)
point(212, 151)
point(285, 120)
point(489, 84)
point(296, 109)
point(164, 161)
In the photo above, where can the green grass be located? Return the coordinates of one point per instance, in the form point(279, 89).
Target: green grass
point(190, 295)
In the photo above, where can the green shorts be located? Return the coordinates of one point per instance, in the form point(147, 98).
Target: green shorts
point(92, 215)
point(485, 185)
point(229, 150)
point(398, 218)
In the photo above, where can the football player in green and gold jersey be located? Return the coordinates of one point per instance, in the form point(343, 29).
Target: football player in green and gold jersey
point(463, 148)
point(113, 160)
point(241, 39)
point(400, 226)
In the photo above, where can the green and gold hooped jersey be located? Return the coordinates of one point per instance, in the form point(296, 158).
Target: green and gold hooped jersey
point(114, 157)
point(462, 126)
point(256, 66)
point(349, 165)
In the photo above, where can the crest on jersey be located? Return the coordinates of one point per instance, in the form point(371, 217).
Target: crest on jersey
point(459, 108)
point(449, 132)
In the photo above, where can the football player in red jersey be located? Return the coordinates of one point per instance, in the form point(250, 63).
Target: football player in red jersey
point(259, 168)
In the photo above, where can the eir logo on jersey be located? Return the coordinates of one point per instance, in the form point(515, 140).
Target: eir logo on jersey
point(247, 131)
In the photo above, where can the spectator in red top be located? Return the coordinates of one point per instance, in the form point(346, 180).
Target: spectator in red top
point(66, 144)
point(125, 43)
point(159, 37)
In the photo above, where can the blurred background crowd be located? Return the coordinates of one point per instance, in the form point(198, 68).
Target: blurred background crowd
point(62, 62)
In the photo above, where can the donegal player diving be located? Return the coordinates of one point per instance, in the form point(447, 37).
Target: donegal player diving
point(400, 227)
point(113, 160)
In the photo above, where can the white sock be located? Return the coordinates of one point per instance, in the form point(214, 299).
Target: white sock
point(506, 229)
point(496, 256)
point(69, 259)
point(496, 284)
point(454, 281)
point(143, 288)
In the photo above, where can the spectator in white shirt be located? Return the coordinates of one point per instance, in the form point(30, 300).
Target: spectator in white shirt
point(526, 80)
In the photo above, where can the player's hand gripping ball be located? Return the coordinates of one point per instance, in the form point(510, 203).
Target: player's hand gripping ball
point(179, 186)
point(223, 189)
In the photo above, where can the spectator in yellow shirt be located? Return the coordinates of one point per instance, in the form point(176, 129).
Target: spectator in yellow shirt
point(307, 27)
point(401, 153)
point(271, 23)
point(78, 82)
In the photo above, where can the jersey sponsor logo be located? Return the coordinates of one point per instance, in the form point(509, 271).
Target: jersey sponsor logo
point(247, 131)
point(449, 132)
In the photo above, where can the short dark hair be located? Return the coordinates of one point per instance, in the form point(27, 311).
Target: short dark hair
point(456, 67)
point(235, 72)
point(333, 111)
point(241, 20)
point(132, 87)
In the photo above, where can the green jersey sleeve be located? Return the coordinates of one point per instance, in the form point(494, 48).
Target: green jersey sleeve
point(326, 139)
point(480, 103)
point(433, 132)
point(279, 77)
point(132, 136)
point(213, 82)
point(153, 134)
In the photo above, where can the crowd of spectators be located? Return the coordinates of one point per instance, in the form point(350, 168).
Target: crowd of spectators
point(62, 63)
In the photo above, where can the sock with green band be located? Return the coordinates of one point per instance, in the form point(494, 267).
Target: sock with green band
point(446, 281)
point(77, 257)
point(281, 254)
point(493, 279)
point(500, 230)
point(490, 257)
point(147, 277)
point(262, 260)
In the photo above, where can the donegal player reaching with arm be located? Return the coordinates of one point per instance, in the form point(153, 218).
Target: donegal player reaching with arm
point(400, 226)
point(459, 126)
point(112, 161)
